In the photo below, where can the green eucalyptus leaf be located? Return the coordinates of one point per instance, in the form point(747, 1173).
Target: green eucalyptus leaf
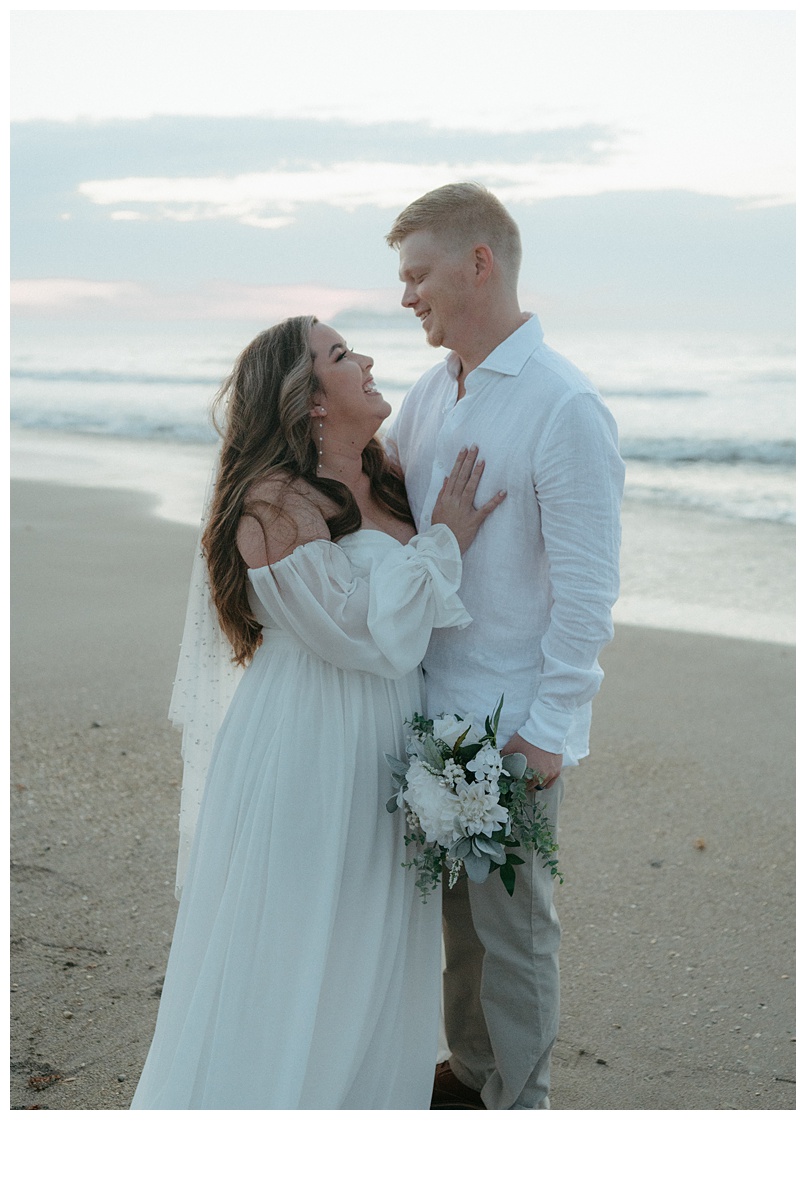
point(432, 754)
point(477, 868)
point(485, 845)
point(514, 765)
point(460, 848)
point(397, 765)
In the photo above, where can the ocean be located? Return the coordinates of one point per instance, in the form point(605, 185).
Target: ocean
point(706, 422)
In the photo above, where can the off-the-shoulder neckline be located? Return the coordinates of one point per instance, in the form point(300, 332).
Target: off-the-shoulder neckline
point(356, 532)
point(369, 529)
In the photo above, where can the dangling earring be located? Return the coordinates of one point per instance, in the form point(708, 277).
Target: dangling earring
point(320, 412)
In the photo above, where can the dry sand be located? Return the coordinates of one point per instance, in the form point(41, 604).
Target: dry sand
point(677, 836)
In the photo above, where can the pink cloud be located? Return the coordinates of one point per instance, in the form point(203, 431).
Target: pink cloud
point(220, 300)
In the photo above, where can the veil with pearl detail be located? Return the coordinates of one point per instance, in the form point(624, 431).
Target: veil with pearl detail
point(205, 682)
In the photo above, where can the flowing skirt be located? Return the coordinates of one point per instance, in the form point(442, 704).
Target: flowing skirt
point(305, 968)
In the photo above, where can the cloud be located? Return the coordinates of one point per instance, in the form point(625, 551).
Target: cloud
point(225, 301)
point(193, 146)
point(213, 214)
point(70, 295)
point(260, 171)
point(265, 199)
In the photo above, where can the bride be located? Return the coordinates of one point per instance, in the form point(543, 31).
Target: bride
point(305, 969)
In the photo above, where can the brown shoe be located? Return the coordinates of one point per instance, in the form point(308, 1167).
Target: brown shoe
point(450, 1092)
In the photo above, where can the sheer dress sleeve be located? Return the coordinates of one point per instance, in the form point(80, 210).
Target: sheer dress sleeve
point(380, 621)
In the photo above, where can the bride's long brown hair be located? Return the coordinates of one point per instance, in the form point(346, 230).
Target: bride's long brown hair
point(263, 413)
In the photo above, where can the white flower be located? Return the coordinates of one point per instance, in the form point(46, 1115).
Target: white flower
point(478, 811)
point(445, 814)
point(454, 774)
point(429, 798)
point(486, 764)
point(449, 729)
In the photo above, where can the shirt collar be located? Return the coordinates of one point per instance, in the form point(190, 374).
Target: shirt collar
point(510, 356)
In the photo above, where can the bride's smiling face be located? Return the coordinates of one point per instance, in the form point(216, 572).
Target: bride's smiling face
point(348, 391)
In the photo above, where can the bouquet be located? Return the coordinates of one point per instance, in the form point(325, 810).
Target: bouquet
point(466, 805)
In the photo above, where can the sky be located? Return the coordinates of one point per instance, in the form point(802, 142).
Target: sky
point(207, 163)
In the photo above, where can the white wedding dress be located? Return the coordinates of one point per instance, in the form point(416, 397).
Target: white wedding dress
point(305, 968)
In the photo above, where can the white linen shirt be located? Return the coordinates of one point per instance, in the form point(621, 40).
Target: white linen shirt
point(542, 575)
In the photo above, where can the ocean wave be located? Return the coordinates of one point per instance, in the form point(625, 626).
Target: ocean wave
point(97, 376)
point(633, 393)
point(709, 450)
point(187, 427)
point(136, 427)
point(752, 482)
point(746, 507)
point(776, 377)
point(387, 384)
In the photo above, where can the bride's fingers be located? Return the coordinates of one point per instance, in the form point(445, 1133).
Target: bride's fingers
point(462, 470)
point(484, 511)
point(471, 480)
point(470, 468)
point(461, 485)
point(452, 480)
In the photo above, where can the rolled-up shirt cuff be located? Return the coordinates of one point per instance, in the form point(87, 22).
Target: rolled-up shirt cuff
point(547, 728)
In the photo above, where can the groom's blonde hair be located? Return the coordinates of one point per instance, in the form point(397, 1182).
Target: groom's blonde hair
point(460, 215)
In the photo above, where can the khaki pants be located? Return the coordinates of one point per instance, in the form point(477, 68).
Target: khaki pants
point(501, 983)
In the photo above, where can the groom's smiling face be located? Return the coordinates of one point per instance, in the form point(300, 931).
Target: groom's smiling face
point(437, 285)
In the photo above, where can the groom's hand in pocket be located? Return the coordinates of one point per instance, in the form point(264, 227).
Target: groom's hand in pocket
point(542, 762)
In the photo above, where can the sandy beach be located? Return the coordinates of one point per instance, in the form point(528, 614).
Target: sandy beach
point(677, 836)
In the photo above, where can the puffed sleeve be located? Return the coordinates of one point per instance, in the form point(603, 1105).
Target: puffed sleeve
point(380, 621)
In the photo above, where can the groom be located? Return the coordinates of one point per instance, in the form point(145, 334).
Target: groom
point(539, 581)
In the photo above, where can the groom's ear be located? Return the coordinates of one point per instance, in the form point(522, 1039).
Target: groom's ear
point(483, 262)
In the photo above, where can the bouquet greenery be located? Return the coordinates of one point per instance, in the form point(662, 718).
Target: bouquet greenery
point(466, 805)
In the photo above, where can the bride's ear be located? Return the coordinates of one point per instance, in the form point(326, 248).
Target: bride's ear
point(319, 411)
